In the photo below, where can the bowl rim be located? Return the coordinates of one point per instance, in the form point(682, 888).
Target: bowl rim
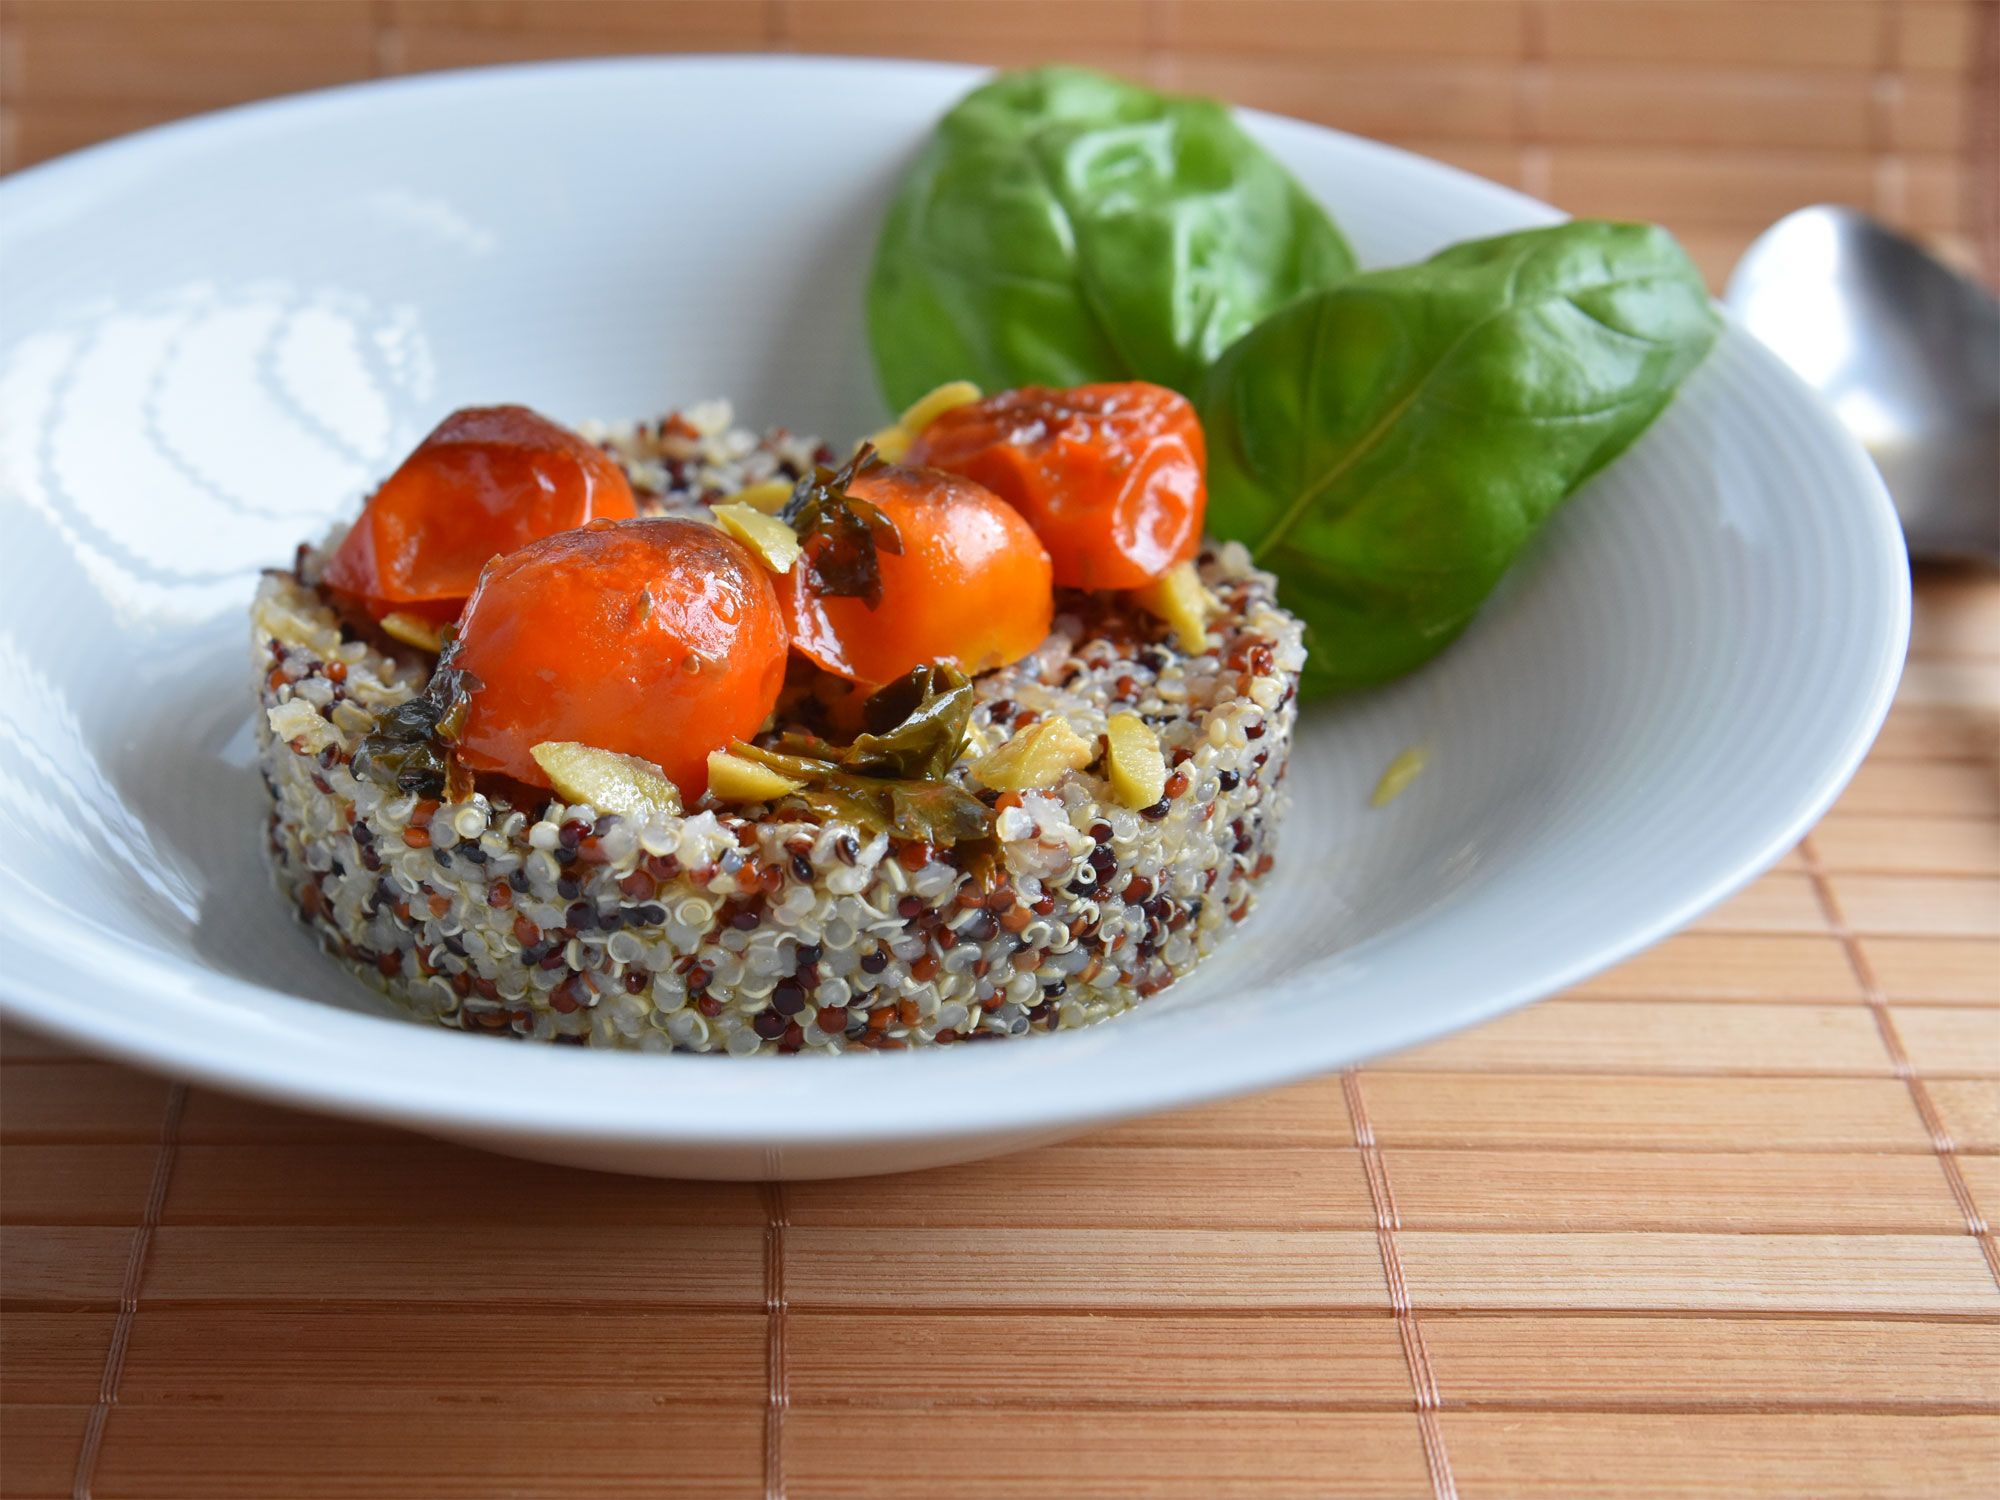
point(431, 1079)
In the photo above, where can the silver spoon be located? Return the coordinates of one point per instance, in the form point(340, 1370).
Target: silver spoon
point(1907, 353)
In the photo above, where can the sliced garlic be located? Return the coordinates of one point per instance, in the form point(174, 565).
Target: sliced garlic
point(891, 444)
point(608, 781)
point(413, 630)
point(1036, 757)
point(1137, 769)
point(775, 543)
point(298, 721)
point(768, 496)
point(1179, 597)
point(928, 408)
point(1403, 770)
point(736, 778)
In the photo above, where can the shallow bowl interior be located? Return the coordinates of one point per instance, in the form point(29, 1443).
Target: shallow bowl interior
point(216, 335)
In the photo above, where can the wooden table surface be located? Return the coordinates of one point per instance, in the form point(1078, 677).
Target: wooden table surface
point(1711, 1224)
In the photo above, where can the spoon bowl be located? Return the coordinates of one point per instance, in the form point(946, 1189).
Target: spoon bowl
point(1907, 353)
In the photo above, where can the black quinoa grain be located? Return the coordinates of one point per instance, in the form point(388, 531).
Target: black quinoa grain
point(569, 887)
point(472, 852)
point(802, 869)
point(571, 833)
point(1228, 780)
point(788, 998)
point(875, 962)
point(649, 915)
point(846, 849)
point(581, 916)
point(770, 1025)
point(1157, 811)
point(747, 920)
point(809, 953)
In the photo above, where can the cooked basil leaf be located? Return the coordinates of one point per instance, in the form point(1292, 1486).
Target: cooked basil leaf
point(940, 812)
point(1390, 445)
point(1063, 227)
point(844, 534)
point(923, 717)
point(410, 747)
point(892, 779)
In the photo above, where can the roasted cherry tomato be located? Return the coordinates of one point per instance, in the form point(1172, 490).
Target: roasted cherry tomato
point(656, 638)
point(1112, 477)
point(490, 479)
point(970, 585)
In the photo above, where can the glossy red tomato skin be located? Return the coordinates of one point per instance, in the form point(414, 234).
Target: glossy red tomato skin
point(487, 481)
point(658, 638)
point(972, 585)
point(1113, 477)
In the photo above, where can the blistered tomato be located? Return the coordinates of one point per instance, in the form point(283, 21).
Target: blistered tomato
point(1112, 477)
point(488, 480)
point(971, 584)
point(656, 638)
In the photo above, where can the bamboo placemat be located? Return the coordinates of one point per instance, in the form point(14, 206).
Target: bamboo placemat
point(1712, 1223)
point(1708, 1225)
point(1713, 116)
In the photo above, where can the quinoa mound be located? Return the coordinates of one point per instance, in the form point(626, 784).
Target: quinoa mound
point(765, 928)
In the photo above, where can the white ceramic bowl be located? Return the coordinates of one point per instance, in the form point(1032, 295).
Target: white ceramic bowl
point(217, 333)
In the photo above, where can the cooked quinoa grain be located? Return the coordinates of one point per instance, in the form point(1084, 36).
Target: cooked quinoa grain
point(762, 928)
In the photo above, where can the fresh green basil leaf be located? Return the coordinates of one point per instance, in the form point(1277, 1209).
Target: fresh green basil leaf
point(1388, 447)
point(1063, 227)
